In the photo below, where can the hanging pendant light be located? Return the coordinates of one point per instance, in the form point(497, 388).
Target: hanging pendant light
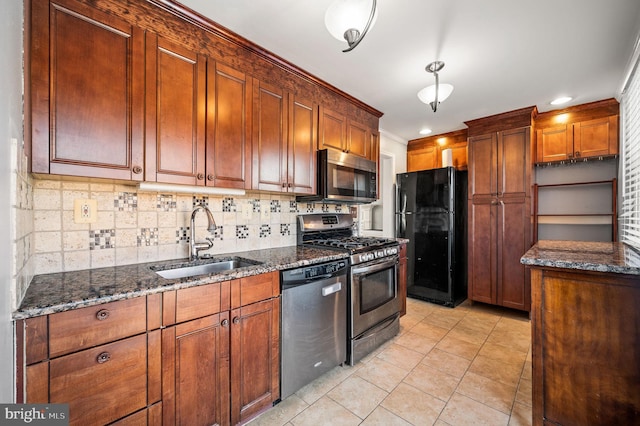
point(350, 20)
point(436, 93)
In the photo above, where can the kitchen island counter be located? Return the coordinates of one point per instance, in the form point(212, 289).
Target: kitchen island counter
point(58, 292)
point(585, 341)
point(612, 257)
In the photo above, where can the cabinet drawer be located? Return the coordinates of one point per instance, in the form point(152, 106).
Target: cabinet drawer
point(83, 328)
point(254, 289)
point(194, 302)
point(101, 384)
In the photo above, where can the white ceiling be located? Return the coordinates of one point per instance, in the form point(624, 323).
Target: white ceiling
point(499, 55)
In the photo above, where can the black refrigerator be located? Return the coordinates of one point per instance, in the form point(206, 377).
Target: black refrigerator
point(431, 212)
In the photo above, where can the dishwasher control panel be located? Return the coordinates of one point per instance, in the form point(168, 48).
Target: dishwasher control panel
point(315, 271)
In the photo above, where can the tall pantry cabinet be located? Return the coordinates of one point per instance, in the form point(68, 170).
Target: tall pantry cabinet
point(499, 208)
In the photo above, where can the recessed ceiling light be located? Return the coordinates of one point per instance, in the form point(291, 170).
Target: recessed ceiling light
point(425, 131)
point(561, 100)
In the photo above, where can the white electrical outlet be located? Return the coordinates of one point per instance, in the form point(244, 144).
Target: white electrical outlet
point(247, 210)
point(85, 210)
point(265, 213)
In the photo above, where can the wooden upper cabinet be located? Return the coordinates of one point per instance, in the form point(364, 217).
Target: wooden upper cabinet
point(422, 159)
point(333, 130)
point(500, 164)
point(426, 153)
point(596, 138)
point(583, 131)
point(284, 140)
point(175, 95)
point(302, 142)
point(359, 139)
point(269, 141)
point(228, 144)
point(87, 92)
point(344, 134)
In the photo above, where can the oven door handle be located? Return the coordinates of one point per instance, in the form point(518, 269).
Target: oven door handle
point(374, 266)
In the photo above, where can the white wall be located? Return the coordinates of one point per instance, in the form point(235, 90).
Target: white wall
point(393, 160)
point(10, 130)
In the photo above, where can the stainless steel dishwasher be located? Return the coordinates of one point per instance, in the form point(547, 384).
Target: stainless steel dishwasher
point(314, 327)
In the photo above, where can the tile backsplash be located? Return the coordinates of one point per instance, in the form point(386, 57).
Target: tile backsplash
point(132, 226)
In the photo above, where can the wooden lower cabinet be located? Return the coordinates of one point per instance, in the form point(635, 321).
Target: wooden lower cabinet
point(585, 347)
point(209, 354)
point(195, 372)
point(402, 279)
point(255, 372)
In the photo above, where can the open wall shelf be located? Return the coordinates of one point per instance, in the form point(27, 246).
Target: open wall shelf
point(575, 211)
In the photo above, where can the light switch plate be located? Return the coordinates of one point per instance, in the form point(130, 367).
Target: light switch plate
point(85, 210)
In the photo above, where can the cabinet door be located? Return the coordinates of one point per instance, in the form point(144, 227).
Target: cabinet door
point(514, 175)
point(374, 147)
point(483, 161)
point(255, 373)
point(228, 143)
point(195, 372)
point(176, 91)
point(514, 232)
point(483, 256)
point(554, 144)
point(269, 138)
point(87, 85)
point(101, 384)
point(597, 137)
point(422, 159)
point(303, 131)
point(333, 130)
point(358, 139)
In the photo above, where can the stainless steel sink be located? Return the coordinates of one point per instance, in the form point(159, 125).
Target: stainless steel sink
point(210, 266)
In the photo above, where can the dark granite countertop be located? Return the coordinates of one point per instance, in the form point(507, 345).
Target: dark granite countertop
point(617, 258)
point(50, 293)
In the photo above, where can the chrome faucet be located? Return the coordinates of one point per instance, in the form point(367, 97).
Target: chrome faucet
point(195, 248)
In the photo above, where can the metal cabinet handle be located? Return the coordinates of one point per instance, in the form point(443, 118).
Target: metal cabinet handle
point(577, 153)
point(225, 322)
point(284, 184)
point(103, 357)
point(102, 314)
point(290, 185)
point(209, 177)
point(236, 320)
point(200, 176)
point(137, 170)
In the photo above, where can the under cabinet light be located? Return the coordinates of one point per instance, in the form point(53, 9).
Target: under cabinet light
point(165, 187)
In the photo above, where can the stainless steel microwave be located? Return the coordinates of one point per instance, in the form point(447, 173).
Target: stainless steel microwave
point(344, 178)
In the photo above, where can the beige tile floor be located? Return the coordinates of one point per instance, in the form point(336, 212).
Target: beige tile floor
point(465, 366)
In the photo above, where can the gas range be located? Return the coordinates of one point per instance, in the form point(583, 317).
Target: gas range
point(335, 231)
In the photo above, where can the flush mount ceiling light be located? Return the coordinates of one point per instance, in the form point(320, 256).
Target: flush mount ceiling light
point(561, 100)
point(436, 93)
point(350, 20)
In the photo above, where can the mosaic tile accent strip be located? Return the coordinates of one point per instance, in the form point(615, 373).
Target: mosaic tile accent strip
point(126, 201)
point(200, 200)
point(242, 232)
point(285, 229)
point(229, 204)
point(182, 235)
point(102, 239)
point(275, 206)
point(293, 207)
point(265, 231)
point(218, 234)
point(311, 207)
point(148, 237)
point(255, 203)
point(166, 203)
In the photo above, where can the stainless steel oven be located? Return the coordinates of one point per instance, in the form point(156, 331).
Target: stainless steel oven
point(375, 305)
